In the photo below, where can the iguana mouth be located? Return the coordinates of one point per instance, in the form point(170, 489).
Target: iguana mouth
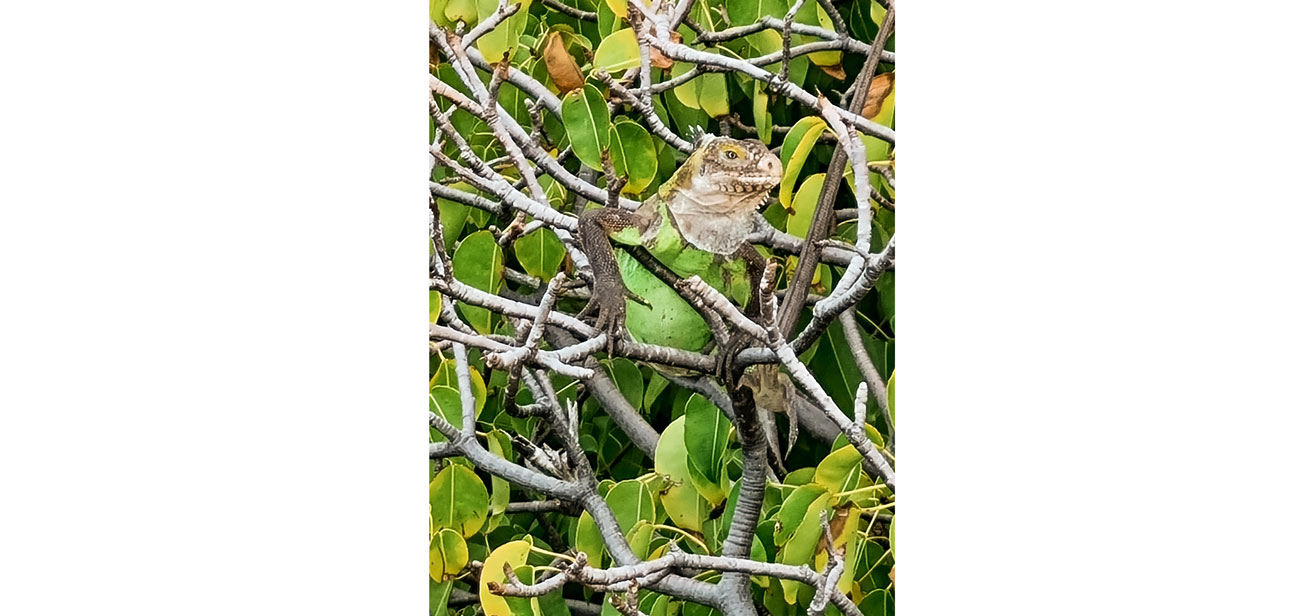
point(750, 184)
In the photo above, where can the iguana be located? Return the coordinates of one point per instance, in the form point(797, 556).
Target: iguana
point(695, 224)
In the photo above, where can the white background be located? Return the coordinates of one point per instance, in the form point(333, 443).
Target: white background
point(212, 251)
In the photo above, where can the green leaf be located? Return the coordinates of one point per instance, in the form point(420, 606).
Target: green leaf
point(839, 471)
point(878, 602)
point(452, 214)
point(439, 594)
point(445, 402)
point(633, 154)
point(813, 14)
point(540, 253)
point(682, 115)
point(464, 10)
point(805, 204)
point(750, 11)
point(801, 546)
point(619, 7)
point(448, 554)
point(706, 441)
point(587, 121)
point(850, 539)
point(498, 443)
point(713, 94)
point(479, 263)
point(459, 500)
point(618, 52)
point(515, 103)
point(874, 436)
point(794, 151)
point(793, 510)
point(683, 502)
point(861, 25)
point(587, 539)
point(655, 387)
point(628, 378)
point(668, 320)
point(891, 400)
point(556, 195)
point(446, 375)
point(435, 306)
point(504, 37)
point(631, 501)
point(687, 93)
point(762, 117)
point(638, 538)
point(891, 534)
point(552, 604)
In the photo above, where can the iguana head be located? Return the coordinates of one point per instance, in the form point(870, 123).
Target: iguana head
point(714, 194)
point(727, 172)
point(737, 166)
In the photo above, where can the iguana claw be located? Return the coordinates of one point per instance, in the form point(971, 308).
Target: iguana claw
point(610, 307)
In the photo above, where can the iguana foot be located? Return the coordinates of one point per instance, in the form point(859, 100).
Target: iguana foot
point(611, 314)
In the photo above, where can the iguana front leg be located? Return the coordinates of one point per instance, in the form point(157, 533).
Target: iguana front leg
point(608, 293)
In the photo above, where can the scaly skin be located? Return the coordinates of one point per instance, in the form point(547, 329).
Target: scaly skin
point(708, 206)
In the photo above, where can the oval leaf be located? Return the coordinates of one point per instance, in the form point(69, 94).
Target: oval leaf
point(448, 554)
point(504, 37)
point(839, 471)
point(459, 500)
point(631, 502)
point(628, 378)
point(540, 254)
point(683, 503)
point(587, 539)
point(713, 94)
point(618, 52)
point(514, 554)
point(587, 121)
point(564, 72)
point(706, 434)
point(793, 510)
point(801, 546)
point(479, 263)
point(633, 154)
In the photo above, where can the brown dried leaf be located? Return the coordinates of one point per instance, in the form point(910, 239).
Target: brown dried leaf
point(836, 71)
point(560, 65)
point(881, 86)
point(658, 59)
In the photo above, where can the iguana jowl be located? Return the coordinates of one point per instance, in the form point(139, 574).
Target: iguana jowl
point(696, 224)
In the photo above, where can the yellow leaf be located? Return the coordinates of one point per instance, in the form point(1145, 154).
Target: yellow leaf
point(808, 130)
point(514, 554)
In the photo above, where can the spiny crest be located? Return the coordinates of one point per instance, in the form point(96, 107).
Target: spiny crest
point(699, 138)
